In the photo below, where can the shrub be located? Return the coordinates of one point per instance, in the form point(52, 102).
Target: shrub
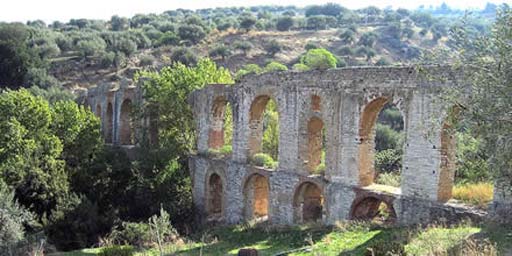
point(310, 46)
point(390, 179)
point(275, 66)
point(184, 56)
point(320, 59)
point(272, 47)
point(346, 51)
point(247, 21)
point(117, 250)
point(479, 194)
point(226, 150)
point(263, 160)
point(348, 36)
point(382, 62)
point(220, 51)
point(300, 67)
point(192, 33)
point(243, 46)
point(388, 160)
point(147, 60)
point(107, 59)
point(12, 218)
point(248, 69)
point(168, 38)
point(132, 233)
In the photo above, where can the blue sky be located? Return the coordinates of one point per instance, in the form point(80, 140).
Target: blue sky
point(63, 10)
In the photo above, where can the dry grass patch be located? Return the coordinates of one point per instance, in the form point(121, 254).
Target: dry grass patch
point(478, 194)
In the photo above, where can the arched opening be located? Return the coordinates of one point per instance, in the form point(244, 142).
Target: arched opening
point(109, 123)
point(126, 136)
point(373, 209)
point(315, 145)
point(308, 203)
point(256, 192)
point(264, 132)
point(221, 127)
point(381, 143)
point(214, 196)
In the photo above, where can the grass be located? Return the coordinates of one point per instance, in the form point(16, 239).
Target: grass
point(347, 238)
point(478, 194)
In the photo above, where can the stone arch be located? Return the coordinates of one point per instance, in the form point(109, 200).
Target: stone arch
point(126, 136)
point(256, 113)
point(214, 196)
point(315, 143)
point(308, 202)
point(372, 208)
point(216, 133)
point(256, 197)
point(109, 123)
point(367, 133)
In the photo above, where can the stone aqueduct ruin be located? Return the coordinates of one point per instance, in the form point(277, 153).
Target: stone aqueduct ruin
point(343, 103)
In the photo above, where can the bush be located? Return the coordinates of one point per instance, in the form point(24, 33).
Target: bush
point(192, 33)
point(389, 179)
point(382, 62)
point(300, 67)
point(310, 46)
point(220, 51)
point(275, 66)
point(348, 36)
point(346, 51)
point(272, 47)
point(147, 60)
point(320, 59)
point(479, 194)
point(388, 160)
point(243, 46)
point(226, 150)
point(117, 250)
point(12, 218)
point(132, 233)
point(184, 56)
point(107, 59)
point(263, 160)
point(248, 69)
point(168, 38)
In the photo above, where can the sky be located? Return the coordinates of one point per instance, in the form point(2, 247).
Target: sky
point(64, 10)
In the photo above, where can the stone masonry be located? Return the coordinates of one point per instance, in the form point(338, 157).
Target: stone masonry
point(344, 104)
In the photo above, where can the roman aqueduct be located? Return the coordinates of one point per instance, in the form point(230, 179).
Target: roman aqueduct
point(340, 105)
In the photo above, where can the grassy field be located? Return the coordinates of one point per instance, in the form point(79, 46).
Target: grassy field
point(343, 239)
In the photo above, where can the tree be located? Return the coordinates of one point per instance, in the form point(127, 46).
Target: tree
point(348, 36)
point(30, 156)
point(91, 47)
point(192, 33)
point(284, 23)
point(247, 21)
point(118, 23)
point(320, 59)
point(368, 39)
point(488, 62)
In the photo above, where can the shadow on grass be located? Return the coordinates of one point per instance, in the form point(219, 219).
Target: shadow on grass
point(388, 240)
point(267, 241)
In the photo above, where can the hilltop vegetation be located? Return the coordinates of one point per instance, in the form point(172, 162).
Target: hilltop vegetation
point(83, 53)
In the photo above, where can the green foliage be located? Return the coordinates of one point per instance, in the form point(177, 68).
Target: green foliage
point(388, 160)
point(310, 46)
point(192, 33)
point(12, 218)
point(300, 67)
point(382, 62)
point(220, 51)
point(52, 94)
point(368, 39)
point(272, 47)
point(136, 234)
point(184, 56)
point(91, 46)
point(248, 69)
point(117, 250)
point(30, 152)
point(346, 51)
point(247, 21)
point(348, 36)
point(270, 143)
point(107, 59)
point(472, 165)
point(264, 160)
point(168, 38)
point(387, 138)
point(275, 66)
point(320, 59)
point(284, 23)
point(244, 46)
point(147, 60)
point(389, 178)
